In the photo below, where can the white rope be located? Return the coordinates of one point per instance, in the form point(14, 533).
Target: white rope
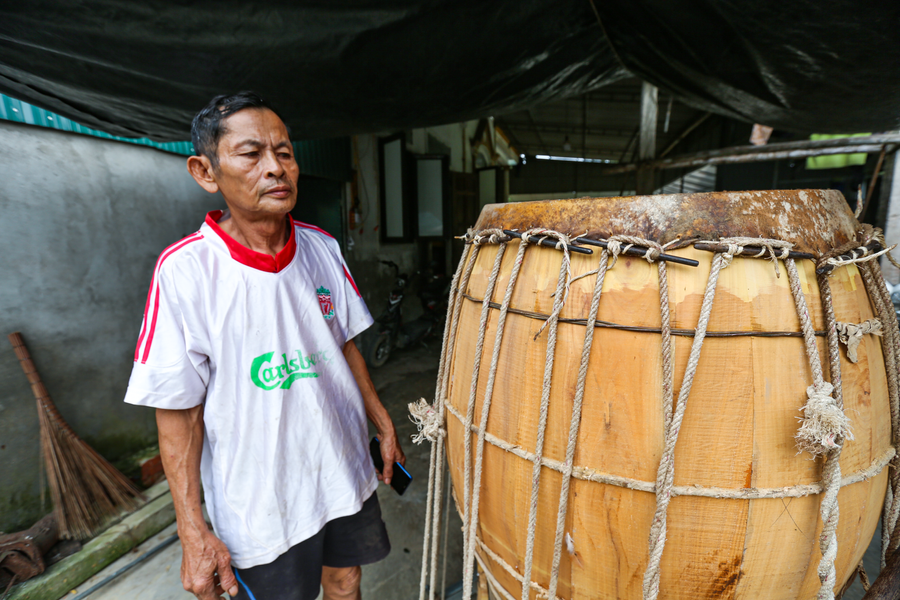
point(468, 484)
point(665, 476)
point(822, 432)
point(576, 422)
point(435, 487)
point(472, 526)
point(589, 474)
point(851, 334)
point(553, 321)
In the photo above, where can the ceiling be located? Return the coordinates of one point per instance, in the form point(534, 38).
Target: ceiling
point(598, 125)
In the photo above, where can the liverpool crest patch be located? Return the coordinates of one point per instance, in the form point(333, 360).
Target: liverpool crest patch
point(325, 302)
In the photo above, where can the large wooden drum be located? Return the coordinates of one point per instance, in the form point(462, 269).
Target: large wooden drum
point(743, 515)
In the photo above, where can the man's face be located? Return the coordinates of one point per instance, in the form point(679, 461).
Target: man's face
point(257, 173)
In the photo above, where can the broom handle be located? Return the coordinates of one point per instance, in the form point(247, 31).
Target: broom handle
point(34, 378)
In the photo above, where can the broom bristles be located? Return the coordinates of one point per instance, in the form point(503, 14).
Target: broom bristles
point(85, 488)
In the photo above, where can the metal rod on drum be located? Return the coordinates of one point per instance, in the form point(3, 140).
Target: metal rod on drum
point(549, 243)
point(640, 251)
point(752, 251)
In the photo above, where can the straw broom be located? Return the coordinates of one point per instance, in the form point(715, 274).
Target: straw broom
point(86, 489)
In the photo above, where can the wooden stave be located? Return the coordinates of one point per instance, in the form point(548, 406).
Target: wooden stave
point(873, 490)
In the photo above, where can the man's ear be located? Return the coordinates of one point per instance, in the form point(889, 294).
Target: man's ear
point(201, 170)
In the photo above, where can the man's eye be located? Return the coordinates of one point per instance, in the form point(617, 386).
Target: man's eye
point(285, 155)
point(251, 154)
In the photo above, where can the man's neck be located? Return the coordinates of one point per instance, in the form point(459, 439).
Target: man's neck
point(267, 235)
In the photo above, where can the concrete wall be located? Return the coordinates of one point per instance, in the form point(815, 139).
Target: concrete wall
point(82, 221)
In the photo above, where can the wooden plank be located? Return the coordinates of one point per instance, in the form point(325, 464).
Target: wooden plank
point(57, 580)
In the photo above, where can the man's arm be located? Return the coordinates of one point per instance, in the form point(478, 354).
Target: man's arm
point(390, 446)
point(206, 562)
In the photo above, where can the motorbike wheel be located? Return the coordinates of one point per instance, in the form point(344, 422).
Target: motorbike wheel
point(379, 351)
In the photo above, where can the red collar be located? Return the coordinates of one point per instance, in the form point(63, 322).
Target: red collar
point(252, 258)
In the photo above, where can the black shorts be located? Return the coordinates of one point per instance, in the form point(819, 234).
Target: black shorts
point(358, 539)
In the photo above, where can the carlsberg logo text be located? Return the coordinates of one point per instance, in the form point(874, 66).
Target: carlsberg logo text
point(269, 372)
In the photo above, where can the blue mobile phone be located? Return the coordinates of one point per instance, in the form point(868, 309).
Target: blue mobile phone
point(401, 478)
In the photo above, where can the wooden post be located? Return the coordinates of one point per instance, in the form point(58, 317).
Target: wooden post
point(887, 586)
point(647, 138)
point(482, 585)
point(892, 220)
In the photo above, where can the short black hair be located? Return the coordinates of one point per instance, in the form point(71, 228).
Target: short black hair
point(207, 127)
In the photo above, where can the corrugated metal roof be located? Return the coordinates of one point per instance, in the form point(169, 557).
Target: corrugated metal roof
point(22, 112)
point(700, 180)
point(328, 158)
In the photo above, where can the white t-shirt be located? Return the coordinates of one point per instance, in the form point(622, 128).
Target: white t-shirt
point(259, 341)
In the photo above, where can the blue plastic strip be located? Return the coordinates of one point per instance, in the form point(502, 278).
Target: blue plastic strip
point(241, 581)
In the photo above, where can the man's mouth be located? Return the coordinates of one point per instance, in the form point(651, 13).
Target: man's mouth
point(279, 191)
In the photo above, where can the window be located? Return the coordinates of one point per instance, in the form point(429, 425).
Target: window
point(396, 205)
point(431, 188)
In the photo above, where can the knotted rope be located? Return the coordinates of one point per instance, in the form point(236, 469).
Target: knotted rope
point(851, 334)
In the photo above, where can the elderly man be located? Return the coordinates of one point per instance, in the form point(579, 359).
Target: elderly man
point(246, 352)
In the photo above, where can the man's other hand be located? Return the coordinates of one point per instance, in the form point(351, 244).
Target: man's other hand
point(206, 567)
point(390, 452)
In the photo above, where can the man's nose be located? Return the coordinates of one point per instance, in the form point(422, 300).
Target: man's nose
point(271, 164)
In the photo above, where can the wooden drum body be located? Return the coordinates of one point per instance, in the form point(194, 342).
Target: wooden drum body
point(740, 421)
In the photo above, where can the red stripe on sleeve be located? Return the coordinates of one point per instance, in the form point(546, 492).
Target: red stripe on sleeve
point(353, 283)
point(154, 286)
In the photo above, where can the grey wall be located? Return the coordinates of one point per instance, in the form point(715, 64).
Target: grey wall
point(82, 221)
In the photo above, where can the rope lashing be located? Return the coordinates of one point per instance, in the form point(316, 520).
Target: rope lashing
point(851, 334)
point(470, 526)
point(430, 542)
point(775, 249)
point(890, 344)
point(575, 423)
point(824, 427)
point(470, 492)
point(674, 414)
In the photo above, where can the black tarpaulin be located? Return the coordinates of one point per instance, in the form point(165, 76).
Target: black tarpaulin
point(340, 67)
point(829, 66)
point(144, 68)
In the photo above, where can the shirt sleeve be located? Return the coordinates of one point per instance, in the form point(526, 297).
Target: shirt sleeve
point(352, 313)
point(166, 372)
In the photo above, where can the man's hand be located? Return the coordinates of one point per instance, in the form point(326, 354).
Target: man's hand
point(387, 435)
point(390, 452)
point(206, 567)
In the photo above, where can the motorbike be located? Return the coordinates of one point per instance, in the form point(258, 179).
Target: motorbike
point(390, 331)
